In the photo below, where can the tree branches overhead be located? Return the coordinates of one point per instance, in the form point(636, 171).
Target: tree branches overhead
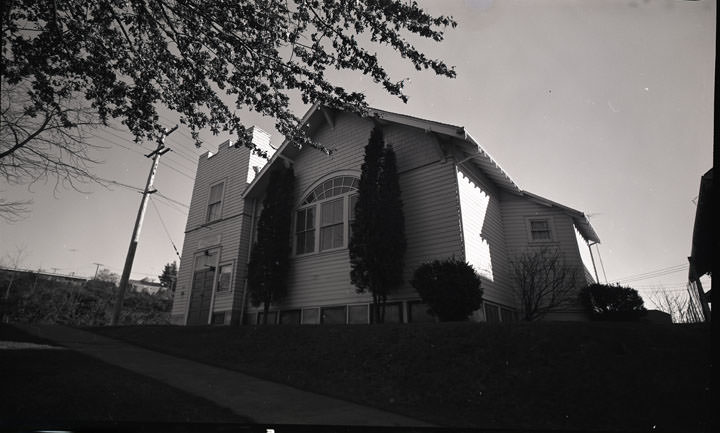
point(127, 57)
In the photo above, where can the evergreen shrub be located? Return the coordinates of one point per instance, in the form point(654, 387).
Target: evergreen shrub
point(451, 288)
point(612, 302)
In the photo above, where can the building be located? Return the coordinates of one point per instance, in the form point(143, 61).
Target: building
point(457, 202)
point(145, 286)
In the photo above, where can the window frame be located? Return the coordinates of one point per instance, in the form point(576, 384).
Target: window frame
point(317, 204)
point(210, 203)
point(305, 231)
point(220, 267)
point(550, 229)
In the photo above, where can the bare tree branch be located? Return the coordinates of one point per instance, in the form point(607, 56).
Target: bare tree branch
point(544, 283)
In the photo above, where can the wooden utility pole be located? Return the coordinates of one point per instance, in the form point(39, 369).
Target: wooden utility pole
point(155, 155)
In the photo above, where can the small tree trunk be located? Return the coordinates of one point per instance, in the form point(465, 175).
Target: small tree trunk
point(266, 307)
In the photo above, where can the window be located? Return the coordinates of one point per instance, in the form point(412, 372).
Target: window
point(333, 315)
point(218, 318)
point(331, 224)
point(305, 230)
point(393, 312)
point(508, 315)
point(358, 314)
point(290, 317)
point(215, 204)
point(225, 279)
point(419, 312)
point(540, 230)
point(334, 202)
point(272, 317)
point(492, 313)
point(310, 316)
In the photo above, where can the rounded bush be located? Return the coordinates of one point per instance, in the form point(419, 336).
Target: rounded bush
point(451, 288)
point(612, 302)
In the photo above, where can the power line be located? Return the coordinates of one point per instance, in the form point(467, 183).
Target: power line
point(173, 200)
point(157, 211)
point(173, 206)
point(140, 152)
point(652, 274)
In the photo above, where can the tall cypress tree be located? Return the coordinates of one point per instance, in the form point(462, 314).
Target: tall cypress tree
point(391, 230)
point(377, 246)
point(270, 259)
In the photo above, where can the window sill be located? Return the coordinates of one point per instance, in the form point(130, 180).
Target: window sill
point(321, 253)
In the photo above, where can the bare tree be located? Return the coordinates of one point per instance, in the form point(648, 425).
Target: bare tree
point(544, 283)
point(12, 261)
point(41, 142)
point(677, 304)
point(13, 210)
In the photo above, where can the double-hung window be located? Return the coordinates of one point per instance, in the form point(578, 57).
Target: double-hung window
point(214, 211)
point(332, 224)
point(333, 202)
point(305, 230)
point(540, 230)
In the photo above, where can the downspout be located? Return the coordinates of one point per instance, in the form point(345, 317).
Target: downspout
point(597, 278)
point(243, 304)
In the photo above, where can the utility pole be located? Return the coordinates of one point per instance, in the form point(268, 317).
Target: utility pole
point(155, 155)
point(96, 270)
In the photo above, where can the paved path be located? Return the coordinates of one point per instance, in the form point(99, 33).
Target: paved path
point(263, 401)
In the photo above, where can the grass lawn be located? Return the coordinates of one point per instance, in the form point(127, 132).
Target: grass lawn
point(53, 387)
point(586, 376)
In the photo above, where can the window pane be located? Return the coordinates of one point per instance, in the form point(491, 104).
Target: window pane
point(333, 315)
point(300, 223)
point(214, 211)
point(538, 235)
point(291, 317)
point(218, 318)
point(310, 218)
point(353, 203)
point(272, 318)
point(216, 192)
point(310, 241)
point(311, 316)
point(325, 238)
point(507, 315)
point(393, 313)
point(419, 312)
point(492, 313)
point(358, 314)
point(331, 237)
point(539, 225)
point(225, 277)
point(332, 212)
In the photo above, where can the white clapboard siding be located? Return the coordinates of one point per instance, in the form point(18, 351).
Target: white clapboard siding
point(483, 237)
point(228, 165)
point(429, 195)
point(517, 209)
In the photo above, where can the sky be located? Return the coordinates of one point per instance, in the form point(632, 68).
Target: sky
point(606, 107)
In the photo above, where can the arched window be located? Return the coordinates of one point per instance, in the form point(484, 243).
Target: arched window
point(327, 210)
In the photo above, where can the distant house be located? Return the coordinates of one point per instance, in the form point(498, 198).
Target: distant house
point(6, 275)
point(457, 202)
point(142, 286)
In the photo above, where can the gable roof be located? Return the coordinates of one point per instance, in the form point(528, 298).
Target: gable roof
point(463, 142)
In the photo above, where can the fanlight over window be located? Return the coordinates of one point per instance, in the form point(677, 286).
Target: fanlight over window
point(331, 188)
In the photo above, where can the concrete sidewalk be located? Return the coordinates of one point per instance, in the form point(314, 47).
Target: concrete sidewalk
point(263, 401)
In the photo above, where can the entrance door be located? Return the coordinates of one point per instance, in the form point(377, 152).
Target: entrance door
point(200, 296)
